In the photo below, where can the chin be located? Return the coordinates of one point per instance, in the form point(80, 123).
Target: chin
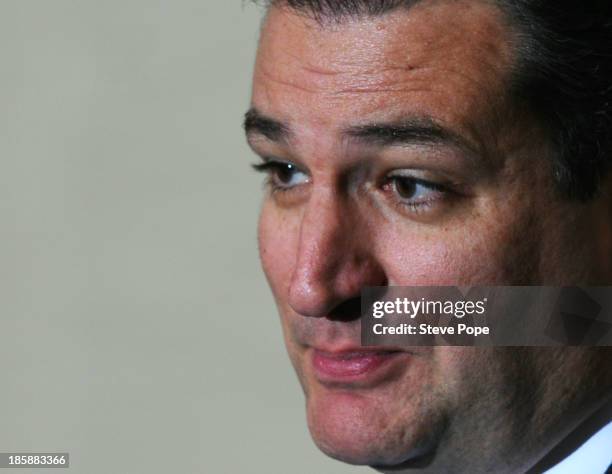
point(355, 429)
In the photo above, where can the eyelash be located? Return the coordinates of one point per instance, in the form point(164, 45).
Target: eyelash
point(389, 184)
point(273, 166)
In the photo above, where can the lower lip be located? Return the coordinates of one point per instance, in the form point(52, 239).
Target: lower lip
point(348, 366)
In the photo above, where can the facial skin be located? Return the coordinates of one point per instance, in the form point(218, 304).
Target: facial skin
point(395, 157)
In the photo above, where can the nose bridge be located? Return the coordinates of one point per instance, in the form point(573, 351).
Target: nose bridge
point(322, 239)
point(331, 263)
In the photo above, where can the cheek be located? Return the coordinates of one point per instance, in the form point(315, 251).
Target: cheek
point(471, 255)
point(278, 237)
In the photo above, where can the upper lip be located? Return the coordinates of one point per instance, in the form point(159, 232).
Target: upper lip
point(341, 350)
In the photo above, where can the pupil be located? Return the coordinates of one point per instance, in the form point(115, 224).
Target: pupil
point(405, 187)
point(285, 173)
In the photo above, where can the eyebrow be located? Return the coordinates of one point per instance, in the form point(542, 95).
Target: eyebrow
point(405, 132)
point(257, 123)
point(410, 131)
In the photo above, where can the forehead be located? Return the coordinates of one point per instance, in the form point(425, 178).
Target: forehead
point(445, 59)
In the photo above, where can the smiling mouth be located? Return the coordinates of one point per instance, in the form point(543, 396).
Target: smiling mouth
point(360, 366)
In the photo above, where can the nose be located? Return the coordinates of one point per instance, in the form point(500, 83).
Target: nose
point(334, 258)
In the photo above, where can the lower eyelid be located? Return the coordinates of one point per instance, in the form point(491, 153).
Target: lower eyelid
point(417, 206)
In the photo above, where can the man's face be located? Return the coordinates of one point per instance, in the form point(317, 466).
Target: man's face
point(395, 158)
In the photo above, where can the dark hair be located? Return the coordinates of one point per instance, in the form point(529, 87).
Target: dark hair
point(564, 75)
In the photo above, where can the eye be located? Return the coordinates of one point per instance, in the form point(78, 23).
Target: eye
point(414, 192)
point(282, 175)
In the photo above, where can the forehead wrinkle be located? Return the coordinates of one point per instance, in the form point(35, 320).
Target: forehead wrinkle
point(369, 84)
point(375, 88)
point(310, 61)
point(399, 64)
point(364, 83)
point(285, 82)
point(309, 77)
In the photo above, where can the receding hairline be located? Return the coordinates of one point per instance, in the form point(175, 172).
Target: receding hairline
point(330, 11)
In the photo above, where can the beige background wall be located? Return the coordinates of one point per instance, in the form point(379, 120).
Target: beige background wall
point(136, 329)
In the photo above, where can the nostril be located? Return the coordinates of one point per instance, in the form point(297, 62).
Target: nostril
point(348, 310)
